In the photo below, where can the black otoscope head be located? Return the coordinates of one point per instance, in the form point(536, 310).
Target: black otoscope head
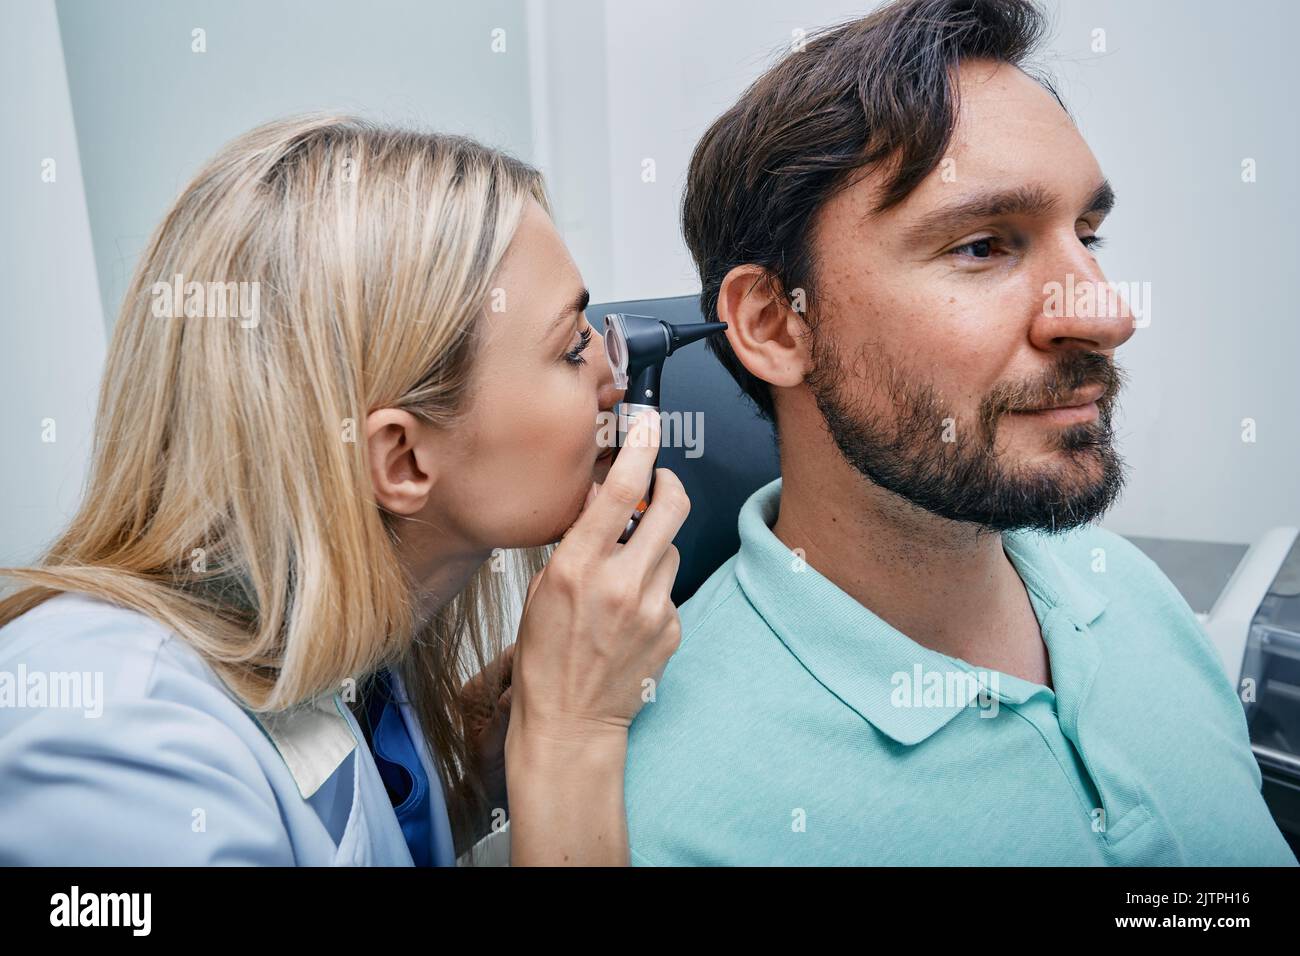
point(636, 346)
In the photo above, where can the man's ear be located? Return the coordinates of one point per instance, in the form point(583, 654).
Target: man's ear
point(401, 460)
point(766, 334)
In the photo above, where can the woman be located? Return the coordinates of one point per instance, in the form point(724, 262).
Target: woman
point(350, 398)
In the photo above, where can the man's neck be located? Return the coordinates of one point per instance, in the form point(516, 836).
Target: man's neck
point(934, 580)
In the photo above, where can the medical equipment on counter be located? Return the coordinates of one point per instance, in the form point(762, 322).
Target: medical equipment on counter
point(1253, 621)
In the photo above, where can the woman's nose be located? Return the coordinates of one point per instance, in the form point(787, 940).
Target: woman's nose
point(610, 394)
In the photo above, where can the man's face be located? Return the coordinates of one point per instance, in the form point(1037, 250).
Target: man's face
point(937, 334)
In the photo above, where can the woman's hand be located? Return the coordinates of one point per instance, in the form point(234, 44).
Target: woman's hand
point(486, 703)
point(599, 622)
point(597, 630)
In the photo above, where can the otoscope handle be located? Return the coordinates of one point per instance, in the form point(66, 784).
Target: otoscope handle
point(627, 419)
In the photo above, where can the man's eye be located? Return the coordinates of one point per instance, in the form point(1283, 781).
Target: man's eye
point(575, 357)
point(983, 248)
point(980, 248)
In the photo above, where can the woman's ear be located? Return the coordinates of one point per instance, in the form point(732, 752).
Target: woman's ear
point(767, 335)
point(401, 458)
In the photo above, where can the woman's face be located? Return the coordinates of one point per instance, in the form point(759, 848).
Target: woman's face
point(516, 471)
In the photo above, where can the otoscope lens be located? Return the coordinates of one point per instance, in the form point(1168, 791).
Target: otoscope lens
point(616, 348)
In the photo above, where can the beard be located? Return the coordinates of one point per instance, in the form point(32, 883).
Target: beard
point(948, 465)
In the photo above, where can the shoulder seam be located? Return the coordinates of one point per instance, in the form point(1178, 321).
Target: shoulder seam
point(735, 586)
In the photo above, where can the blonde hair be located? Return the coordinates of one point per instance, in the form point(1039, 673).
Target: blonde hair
point(229, 496)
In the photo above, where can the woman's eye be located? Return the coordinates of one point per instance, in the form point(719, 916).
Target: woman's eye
point(575, 357)
point(1092, 242)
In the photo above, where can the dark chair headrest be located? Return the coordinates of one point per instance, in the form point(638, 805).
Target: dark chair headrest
point(733, 451)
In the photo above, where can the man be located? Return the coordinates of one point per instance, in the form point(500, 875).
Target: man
point(925, 652)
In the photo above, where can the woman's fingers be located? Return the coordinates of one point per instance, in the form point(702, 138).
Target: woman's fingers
point(661, 522)
point(506, 666)
point(596, 532)
point(533, 585)
point(664, 574)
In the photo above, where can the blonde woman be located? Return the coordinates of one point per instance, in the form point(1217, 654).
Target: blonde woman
point(306, 507)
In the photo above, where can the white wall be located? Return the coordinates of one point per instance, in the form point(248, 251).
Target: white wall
point(570, 128)
point(150, 110)
point(1182, 94)
point(52, 332)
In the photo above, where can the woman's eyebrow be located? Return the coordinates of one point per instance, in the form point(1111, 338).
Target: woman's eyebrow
point(1029, 200)
point(577, 304)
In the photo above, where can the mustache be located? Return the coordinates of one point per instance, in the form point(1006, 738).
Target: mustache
point(1073, 372)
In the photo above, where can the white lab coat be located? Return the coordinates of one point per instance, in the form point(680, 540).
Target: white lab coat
point(172, 770)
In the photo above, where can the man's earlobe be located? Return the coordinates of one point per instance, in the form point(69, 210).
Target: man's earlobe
point(762, 327)
point(400, 465)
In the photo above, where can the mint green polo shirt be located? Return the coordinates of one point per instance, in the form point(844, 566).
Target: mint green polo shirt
point(794, 726)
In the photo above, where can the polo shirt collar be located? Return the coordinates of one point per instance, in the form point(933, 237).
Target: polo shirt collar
point(855, 654)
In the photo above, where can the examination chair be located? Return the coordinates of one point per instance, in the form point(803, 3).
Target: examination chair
point(738, 446)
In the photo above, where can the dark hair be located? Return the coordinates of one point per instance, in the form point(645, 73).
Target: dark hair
point(876, 89)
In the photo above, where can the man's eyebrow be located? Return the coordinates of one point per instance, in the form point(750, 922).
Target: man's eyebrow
point(1029, 200)
point(1102, 200)
point(577, 304)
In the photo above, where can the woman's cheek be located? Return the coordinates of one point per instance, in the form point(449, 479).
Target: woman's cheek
point(552, 453)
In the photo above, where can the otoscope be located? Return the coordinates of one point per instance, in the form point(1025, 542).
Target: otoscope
point(636, 346)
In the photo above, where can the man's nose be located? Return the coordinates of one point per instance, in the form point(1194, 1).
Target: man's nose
point(1079, 308)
